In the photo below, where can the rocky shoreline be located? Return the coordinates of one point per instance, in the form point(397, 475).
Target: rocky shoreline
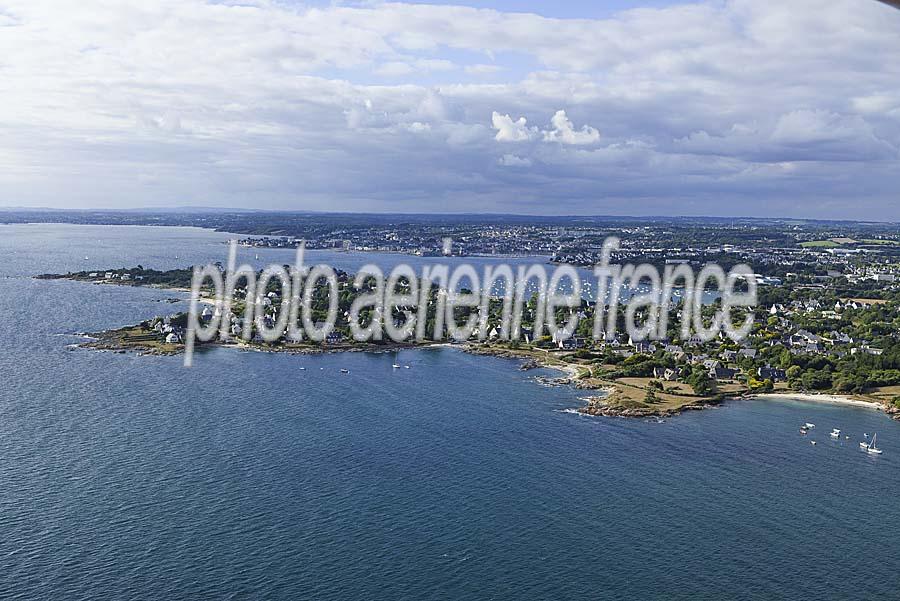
point(598, 408)
point(602, 406)
point(607, 405)
point(122, 341)
point(611, 403)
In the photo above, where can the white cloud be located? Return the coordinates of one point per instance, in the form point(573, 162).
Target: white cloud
point(564, 132)
point(879, 103)
point(801, 135)
point(223, 103)
point(512, 131)
point(804, 126)
point(419, 127)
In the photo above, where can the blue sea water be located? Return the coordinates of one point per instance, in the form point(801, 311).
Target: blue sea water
point(247, 477)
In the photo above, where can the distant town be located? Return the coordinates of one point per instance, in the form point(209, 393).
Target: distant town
point(817, 251)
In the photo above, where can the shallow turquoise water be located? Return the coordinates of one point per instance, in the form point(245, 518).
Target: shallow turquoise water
point(127, 477)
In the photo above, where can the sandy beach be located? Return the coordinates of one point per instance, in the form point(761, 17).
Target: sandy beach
point(820, 398)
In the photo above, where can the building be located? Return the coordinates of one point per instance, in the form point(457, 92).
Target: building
point(723, 373)
point(770, 373)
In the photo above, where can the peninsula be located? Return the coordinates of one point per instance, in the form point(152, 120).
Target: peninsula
point(806, 341)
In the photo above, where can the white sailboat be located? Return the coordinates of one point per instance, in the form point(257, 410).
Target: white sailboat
point(871, 448)
point(835, 433)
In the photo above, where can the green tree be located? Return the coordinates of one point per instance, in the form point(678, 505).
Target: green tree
point(700, 381)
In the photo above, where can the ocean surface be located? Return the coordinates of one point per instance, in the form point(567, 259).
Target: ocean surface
point(265, 476)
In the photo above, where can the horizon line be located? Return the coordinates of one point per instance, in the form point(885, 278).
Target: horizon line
point(213, 209)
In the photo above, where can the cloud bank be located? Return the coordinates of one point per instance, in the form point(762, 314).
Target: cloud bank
point(735, 108)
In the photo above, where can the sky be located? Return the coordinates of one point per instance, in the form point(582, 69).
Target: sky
point(720, 108)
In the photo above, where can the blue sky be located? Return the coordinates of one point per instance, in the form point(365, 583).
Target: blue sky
point(728, 107)
point(571, 9)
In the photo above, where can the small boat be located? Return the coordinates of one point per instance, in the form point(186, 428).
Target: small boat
point(835, 433)
point(804, 430)
point(345, 371)
point(302, 369)
point(864, 445)
point(812, 442)
point(809, 426)
point(406, 367)
point(395, 366)
point(872, 449)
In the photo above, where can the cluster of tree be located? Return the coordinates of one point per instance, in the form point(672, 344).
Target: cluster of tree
point(698, 379)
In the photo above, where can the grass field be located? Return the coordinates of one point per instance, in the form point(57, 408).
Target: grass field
point(881, 242)
point(820, 244)
point(884, 393)
point(865, 301)
point(632, 393)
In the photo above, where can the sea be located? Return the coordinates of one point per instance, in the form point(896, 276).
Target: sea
point(275, 476)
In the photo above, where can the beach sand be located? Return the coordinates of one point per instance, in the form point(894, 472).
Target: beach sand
point(820, 398)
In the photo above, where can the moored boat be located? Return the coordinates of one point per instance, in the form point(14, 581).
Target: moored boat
point(872, 449)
